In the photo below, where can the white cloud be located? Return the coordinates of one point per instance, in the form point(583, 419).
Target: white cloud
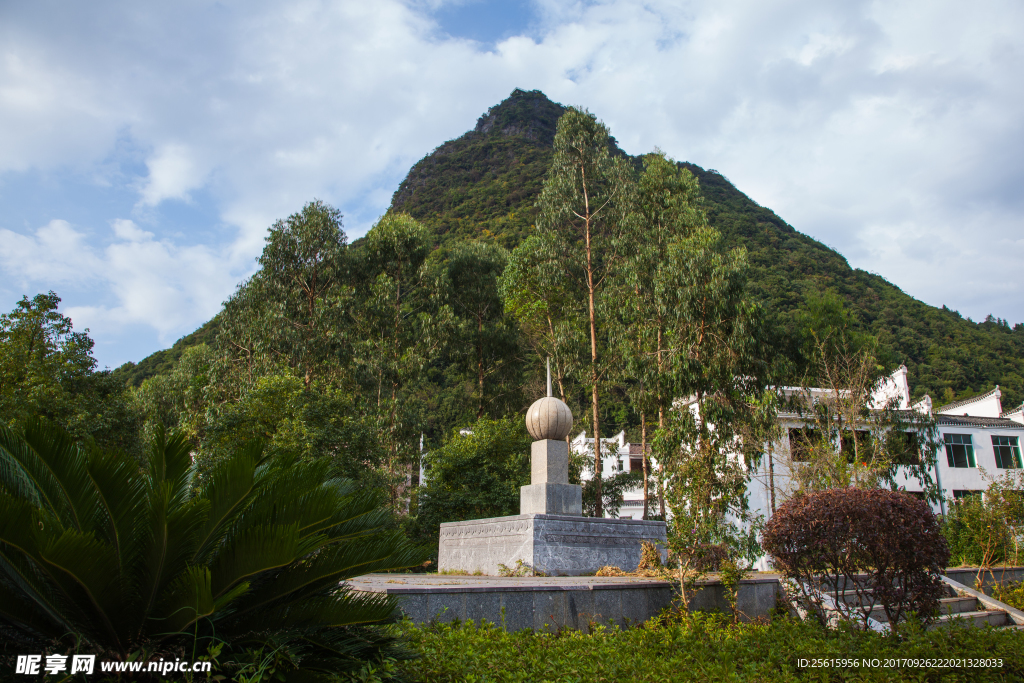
point(882, 129)
point(173, 172)
point(156, 283)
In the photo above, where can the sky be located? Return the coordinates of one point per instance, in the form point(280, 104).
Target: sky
point(145, 148)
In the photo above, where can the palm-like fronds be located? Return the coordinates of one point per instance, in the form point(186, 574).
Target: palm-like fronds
point(123, 560)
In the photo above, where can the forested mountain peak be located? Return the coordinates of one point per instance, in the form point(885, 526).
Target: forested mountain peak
point(484, 185)
point(527, 113)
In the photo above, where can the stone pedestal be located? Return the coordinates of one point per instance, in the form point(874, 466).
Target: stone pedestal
point(550, 535)
point(557, 545)
point(551, 499)
point(550, 492)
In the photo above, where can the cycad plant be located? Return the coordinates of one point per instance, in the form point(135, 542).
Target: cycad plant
point(99, 555)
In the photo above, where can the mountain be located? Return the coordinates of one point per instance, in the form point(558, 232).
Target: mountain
point(483, 185)
point(163, 361)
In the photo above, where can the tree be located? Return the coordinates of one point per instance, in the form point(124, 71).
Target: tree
point(184, 399)
point(47, 369)
point(580, 222)
point(852, 435)
point(399, 327)
point(100, 557)
point(667, 207)
point(535, 294)
point(292, 311)
point(718, 362)
point(476, 474)
point(293, 421)
point(471, 285)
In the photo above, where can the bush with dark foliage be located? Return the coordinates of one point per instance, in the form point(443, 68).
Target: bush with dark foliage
point(885, 546)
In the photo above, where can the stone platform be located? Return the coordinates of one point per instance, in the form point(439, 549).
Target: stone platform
point(557, 545)
point(549, 603)
point(520, 603)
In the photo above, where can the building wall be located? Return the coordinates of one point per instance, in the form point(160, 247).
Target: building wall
point(981, 418)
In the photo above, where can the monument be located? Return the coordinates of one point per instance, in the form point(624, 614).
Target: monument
point(550, 535)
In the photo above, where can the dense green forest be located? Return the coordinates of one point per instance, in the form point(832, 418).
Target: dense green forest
point(373, 348)
point(484, 186)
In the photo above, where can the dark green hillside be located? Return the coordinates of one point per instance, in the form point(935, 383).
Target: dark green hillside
point(943, 352)
point(484, 185)
point(161, 362)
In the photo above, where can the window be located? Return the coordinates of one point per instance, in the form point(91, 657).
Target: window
point(800, 443)
point(863, 446)
point(1007, 452)
point(904, 447)
point(960, 494)
point(636, 464)
point(959, 450)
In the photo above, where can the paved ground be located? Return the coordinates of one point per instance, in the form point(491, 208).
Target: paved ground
point(452, 583)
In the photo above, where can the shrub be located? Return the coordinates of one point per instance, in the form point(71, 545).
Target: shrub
point(475, 475)
point(701, 647)
point(976, 532)
point(96, 556)
point(1012, 593)
point(982, 531)
point(884, 545)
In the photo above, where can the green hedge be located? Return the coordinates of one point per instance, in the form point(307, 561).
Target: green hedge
point(699, 647)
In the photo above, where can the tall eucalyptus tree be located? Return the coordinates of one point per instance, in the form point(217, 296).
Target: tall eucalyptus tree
point(482, 328)
point(667, 207)
point(291, 312)
point(583, 206)
point(399, 327)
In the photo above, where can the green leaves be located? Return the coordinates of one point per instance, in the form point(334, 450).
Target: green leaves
point(476, 475)
point(112, 559)
point(46, 368)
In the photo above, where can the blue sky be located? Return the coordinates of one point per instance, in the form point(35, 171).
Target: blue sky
point(146, 148)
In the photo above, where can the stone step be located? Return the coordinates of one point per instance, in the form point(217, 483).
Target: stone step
point(946, 606)
point(976, 618)
point(957, 605)
point(852, 597)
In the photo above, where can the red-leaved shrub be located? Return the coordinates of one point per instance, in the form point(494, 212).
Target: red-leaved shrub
point(862, 547)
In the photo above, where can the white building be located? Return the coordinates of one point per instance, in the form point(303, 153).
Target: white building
point(618, 455)
point(977, 439)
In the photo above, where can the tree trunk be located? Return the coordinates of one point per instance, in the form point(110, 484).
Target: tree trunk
point(480, 365)
point(661, 425)
point(598, 507)
point(643, 450)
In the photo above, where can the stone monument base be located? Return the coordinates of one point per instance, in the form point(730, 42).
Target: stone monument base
point(557, 545)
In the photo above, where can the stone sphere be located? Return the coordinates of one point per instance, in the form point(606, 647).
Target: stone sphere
point(549, 418)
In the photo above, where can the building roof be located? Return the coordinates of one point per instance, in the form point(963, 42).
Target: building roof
point(968, 401)
point(967, 421)
point(1013, 411)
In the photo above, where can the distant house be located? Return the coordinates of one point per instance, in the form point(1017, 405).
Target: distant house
point(618, 455)
point(975, 434)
